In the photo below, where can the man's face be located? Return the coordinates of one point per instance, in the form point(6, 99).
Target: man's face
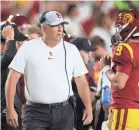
point(98, 53)
point(53, 33)
point(85, 56)
point(24, 28)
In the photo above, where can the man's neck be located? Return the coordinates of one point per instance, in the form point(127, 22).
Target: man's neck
point(50, 43)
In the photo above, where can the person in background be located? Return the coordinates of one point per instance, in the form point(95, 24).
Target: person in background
point(90, 23)
point(101, 81)
point(84, 47)
point(34, 32)
point(23, 25)
point(124, 111)
point(115, 41)
point(21, 21)
point(100, 51)
point(102, 29)
point(10, 38)
point(48, 78)
point(74, 28)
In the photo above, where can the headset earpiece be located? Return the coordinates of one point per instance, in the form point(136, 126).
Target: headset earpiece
point(42, 19)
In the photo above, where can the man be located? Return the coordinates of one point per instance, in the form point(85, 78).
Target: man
point(21, 21)
point(102, 29)
point(48, 68)
point(34, 32)
point(84, 47)
point(100, 46)
point(102, 80)
point(100, 51)
point(124, 112)
point(8, 33)
point(71, 16)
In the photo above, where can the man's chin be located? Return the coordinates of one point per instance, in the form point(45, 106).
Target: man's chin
point(58, 38)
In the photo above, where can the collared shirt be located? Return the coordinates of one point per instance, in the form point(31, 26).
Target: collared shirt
point(44, 70)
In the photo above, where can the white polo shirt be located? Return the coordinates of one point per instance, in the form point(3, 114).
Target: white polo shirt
point(44, 70)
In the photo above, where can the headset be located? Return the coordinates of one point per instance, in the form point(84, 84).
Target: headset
point(42, 19)
point(72, 99)
point(66, 35)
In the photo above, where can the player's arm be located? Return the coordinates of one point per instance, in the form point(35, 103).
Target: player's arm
point(118, 79)
point(123, 61)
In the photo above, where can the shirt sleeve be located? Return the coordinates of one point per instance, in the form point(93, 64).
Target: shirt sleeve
point(123, 60)
point(79, 66)
point(9, 54)
point(19, 62)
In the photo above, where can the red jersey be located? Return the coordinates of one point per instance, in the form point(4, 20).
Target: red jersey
point(126, 60)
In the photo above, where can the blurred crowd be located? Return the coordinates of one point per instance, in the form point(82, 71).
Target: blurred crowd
point(93, 20)
point(86, 18)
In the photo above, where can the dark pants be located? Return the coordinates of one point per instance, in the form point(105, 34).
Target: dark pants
point(42, 117)
point(101, 118)
point(5, 126)
point(79, 111)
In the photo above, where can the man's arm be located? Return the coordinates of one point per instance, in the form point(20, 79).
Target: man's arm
point(83, 90)
point(123, 61)
point(8, 34)
point(10, 87)
point(12, 117)
point(9, 54)
point(118, 79)
point(85, 96)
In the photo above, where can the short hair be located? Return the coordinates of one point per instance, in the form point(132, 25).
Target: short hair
point(34, 29)
point(97, 41)
point(70, 8)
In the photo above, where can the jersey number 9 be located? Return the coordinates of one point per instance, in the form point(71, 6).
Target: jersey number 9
point(119, 50)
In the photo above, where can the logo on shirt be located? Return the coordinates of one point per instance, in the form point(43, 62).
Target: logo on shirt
point(50, 56)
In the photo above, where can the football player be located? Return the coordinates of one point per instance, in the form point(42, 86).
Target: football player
point(124, 75)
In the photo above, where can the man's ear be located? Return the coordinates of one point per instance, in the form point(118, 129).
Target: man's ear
point(44, 28)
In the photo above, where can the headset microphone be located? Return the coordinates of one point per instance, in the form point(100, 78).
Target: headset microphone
point(66, 35)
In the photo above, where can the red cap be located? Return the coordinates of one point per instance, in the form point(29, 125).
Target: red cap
point(19, 20)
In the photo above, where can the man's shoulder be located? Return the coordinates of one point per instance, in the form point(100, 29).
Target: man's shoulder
point(123, 53)
point(70, 45)
point(32, 42)
point(35, 40)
